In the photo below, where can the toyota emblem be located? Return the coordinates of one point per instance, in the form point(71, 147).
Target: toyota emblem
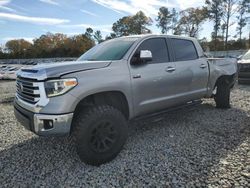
point(21, 87)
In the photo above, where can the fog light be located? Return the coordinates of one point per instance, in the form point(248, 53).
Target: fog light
point(48, 124)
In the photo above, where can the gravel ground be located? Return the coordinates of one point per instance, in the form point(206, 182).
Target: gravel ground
point(7, 90)
point(199, 147)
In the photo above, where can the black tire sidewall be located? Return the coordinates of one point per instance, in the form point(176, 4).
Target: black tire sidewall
point(222, 97)
point(88, 122)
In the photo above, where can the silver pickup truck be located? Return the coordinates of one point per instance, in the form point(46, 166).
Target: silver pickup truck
point(93, 98)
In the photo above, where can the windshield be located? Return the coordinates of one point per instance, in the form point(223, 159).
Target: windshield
point(109, 50)
point(246, 56)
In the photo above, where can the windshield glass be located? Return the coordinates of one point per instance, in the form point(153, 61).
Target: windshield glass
point(109, 50)
point(246, 56)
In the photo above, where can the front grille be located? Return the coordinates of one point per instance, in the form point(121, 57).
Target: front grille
point(27, 90)
point(244, 67)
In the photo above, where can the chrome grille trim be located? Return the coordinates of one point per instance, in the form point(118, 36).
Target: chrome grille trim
point(244, 67)
point(27, 90)
point(33, 96)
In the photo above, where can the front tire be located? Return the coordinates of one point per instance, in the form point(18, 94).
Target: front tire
point(222, 96)
point(99, 133)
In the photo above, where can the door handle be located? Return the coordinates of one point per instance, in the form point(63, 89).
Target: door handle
point(136, 76)
point(203, 66)
point(170, 69)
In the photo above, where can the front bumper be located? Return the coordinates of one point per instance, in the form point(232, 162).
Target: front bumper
point(44, 124)
point(244, 73)
point(244, 77)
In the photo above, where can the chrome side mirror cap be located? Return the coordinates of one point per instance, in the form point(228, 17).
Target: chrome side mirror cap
point(146, 55)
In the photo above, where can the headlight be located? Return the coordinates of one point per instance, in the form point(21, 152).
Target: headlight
point(58, 87)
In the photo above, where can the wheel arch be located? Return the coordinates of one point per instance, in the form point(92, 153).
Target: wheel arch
point(228, 79)
point(113, 98)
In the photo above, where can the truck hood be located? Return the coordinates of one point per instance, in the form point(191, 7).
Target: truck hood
point(244, 61)
point(55, 70)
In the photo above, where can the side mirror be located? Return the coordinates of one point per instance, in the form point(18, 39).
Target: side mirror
point(146, 55)
point(239, 57)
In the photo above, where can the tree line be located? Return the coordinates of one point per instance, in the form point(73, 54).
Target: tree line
point(187, 22)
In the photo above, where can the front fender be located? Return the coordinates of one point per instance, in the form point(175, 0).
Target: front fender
point(116, 77)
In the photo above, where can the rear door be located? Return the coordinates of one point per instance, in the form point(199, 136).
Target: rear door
point(153, 82)
point(191, 71)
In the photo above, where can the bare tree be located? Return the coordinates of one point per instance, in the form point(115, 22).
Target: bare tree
point(164, 19)
point(174, 19)
point(190, 21)
point(132, 25)
point(214, 8)
point(244, 8)
point(98, 36)
point(229, 9)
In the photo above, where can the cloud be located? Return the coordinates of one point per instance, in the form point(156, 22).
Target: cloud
point(114, 5)
point(3, 5)
point(69, 33)
point(33, 20)
point(4, 2)
point(89, 13)
point(103, 28)
point(184, 4)
point(149, 7)
point(7, 9)
point(20, 8)
point(65, 33)
point(52, 2)
point(30, 39)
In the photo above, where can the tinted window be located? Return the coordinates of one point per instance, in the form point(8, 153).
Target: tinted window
point(184, 50)
point(246, 56)
point(158, 47)
point(109, 50)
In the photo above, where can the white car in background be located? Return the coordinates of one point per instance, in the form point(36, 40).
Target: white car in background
point(9, 73)
point(3, 69)
point(244, 69)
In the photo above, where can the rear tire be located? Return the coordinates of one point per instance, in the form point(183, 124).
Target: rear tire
point(222, 96)
point(99, 133)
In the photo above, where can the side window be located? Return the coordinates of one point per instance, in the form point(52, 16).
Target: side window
point(158, 47)
point(184, 50)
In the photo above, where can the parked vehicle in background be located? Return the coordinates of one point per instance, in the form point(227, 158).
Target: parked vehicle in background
point(10, 74)
point(244, 69)
point(1, 73)
point(2, 67)
point(5, 68)
point(93, 98)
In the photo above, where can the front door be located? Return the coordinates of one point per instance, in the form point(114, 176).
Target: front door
point(153, 82)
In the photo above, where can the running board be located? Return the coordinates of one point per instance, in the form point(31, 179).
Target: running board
point(181, 107)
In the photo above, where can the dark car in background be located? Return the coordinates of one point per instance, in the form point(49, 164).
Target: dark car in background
point(244, 69)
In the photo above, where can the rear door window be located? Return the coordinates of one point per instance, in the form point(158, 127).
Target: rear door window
point(184, 50)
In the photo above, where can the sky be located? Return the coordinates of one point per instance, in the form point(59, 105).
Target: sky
point(29, 19)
